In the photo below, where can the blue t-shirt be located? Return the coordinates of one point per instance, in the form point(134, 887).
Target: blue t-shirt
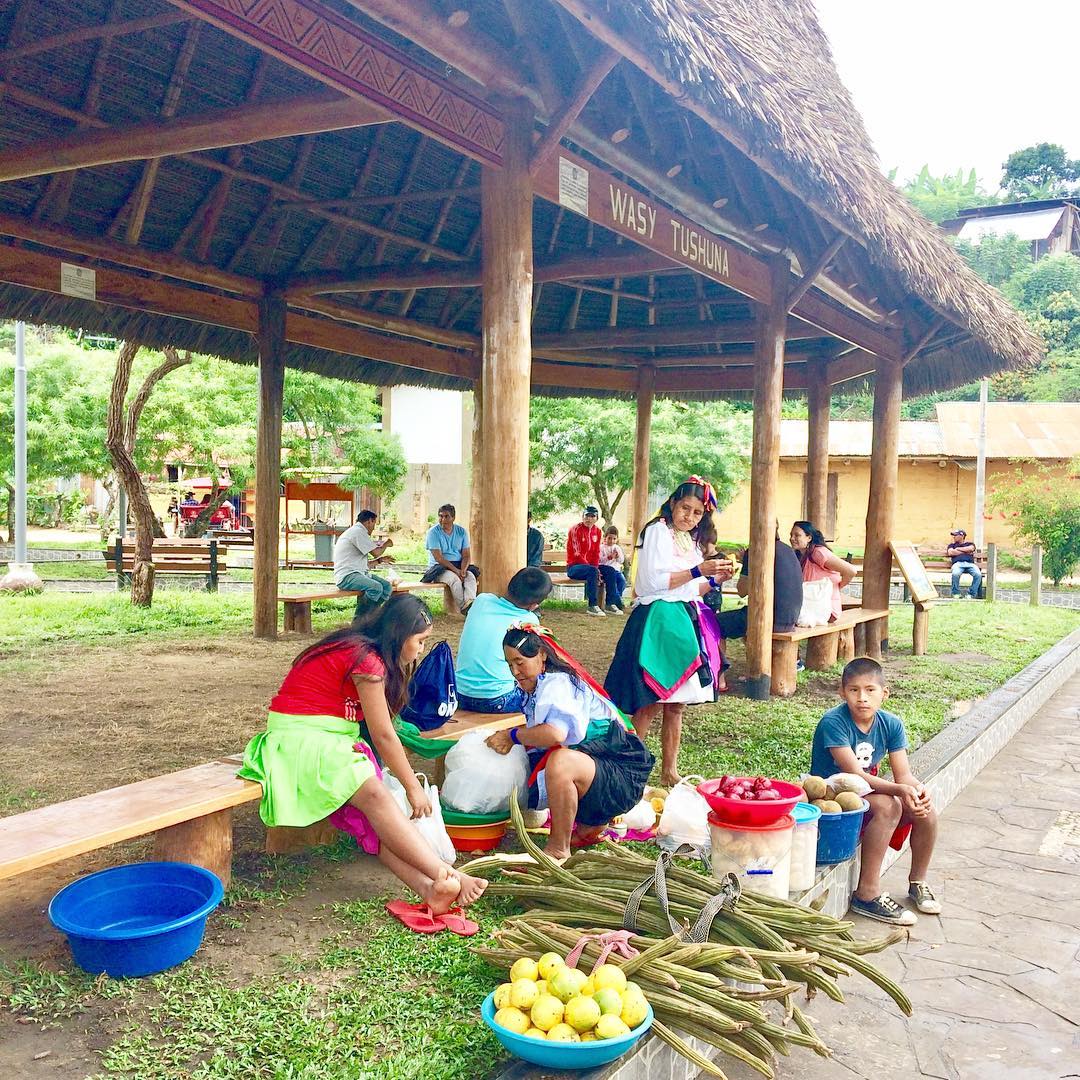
point(451, 544)
point(837, 728)
point(482, 670)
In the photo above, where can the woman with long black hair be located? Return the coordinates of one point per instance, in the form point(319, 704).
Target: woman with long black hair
point(819, 563)
point(665, 660)
point(313, 763)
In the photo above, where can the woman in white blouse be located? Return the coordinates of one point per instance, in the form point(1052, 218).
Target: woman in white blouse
point(661, 662)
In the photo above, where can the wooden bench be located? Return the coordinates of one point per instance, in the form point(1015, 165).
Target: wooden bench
point(825, 645)
point(189, 812)
point(208, 558)
point(297, 609)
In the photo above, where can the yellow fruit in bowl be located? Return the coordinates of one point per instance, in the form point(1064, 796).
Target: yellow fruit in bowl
point(588, 987)
point(542, 986)
point(523, 994)
point(502, 996)
point(582, 1013)
point(608, 975)
point(588, 1036)
point(563, 1033)
point(566, 983)
point(609, 1000)
point(546, 1012)
point(610, 1026)
point(524, 968)
point(634, 1010)
point(535, 1033)
point(548, 964)
point(513, 1020)
point(633, 988)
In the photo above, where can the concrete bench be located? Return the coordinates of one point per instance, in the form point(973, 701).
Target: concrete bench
point(297, 609)
point(825, 645)
point(207, 558)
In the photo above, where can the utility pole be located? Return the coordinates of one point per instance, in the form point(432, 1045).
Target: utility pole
point(980, 467)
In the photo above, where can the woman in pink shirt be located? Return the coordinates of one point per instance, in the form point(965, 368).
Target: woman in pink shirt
point(818, 562)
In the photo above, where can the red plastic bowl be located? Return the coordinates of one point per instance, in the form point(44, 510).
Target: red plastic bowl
point(476, 837)
point(744, 812)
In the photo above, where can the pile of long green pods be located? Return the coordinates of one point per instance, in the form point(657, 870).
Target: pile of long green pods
point(760, 949)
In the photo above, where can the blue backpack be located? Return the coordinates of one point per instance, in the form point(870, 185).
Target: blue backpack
point(432, 690)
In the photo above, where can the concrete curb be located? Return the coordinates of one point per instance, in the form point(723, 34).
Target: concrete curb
point(947, 763)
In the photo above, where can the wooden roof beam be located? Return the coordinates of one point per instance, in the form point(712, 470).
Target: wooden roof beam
point(818, 267)
point(92, 33)
point(346, 202)
point(663, 336)
point(161, 138)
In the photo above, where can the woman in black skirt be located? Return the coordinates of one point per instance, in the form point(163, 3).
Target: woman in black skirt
point(662, 660)
point(605, 772)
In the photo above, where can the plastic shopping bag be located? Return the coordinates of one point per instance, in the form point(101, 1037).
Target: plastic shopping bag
point(845, 781)
point(431, 828)
point(685, 819)
point(480, 780)
point(816, 607)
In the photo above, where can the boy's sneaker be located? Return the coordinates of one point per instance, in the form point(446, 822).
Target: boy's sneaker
point(923, 898)
point(885, 909)
point(613, 609)
point(594, 610)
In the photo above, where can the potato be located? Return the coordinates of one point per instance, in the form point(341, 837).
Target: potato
point(814, 787)
point(830, 793)
point(848, 800)
point(828, 806)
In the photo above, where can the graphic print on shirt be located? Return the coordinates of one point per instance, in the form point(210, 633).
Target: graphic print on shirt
point(864, 755)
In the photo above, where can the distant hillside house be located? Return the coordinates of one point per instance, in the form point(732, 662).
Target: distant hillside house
point(936, 484)
point(1050, 226)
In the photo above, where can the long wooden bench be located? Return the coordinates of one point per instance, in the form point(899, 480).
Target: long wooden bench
point(189, 812)
point(297, 609)
point(825, 645)
point(207, 558)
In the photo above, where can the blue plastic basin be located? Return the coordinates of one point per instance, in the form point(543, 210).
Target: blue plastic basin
point(560, 1055)
point(136, 919)
point(838, 835)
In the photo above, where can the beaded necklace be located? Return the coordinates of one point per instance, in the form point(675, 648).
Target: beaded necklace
point(683, 541)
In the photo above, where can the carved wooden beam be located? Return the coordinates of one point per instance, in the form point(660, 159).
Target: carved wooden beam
point(661, 336)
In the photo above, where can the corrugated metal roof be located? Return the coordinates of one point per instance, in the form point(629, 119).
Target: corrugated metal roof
point(1013, 430)
point(1035, 225)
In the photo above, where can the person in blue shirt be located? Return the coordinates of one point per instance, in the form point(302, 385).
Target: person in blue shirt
point(448, 557)
point(855, 737)
point(482, 675)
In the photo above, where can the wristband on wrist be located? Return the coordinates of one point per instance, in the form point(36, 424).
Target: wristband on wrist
point(514, 736)
point(695, 572)
point(714, 583)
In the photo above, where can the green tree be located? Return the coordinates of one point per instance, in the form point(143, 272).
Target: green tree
point(996, 259)
point(942, 197)
point(583, 450)
point(1045, 511)
point(1043, 171)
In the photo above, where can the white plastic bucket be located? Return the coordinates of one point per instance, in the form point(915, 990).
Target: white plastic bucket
point(804, 847)
point(758, 855)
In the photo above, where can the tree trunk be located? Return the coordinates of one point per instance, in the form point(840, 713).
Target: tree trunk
point(109, 484)
point(201, 522)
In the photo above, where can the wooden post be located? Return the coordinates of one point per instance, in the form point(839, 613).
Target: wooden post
point(476, 502)
point(877, 558)
point(991, 572)
point(920, 631)
point(212, 577)
point(506, 230)
point(639, 508)
point(204, 841)
point(818, 398)
point(764, 478)
point(271, 340)
point(1036, 575)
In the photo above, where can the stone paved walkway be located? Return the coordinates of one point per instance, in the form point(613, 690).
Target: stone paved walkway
point(995, 980)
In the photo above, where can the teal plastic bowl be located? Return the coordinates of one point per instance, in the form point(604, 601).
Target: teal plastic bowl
point(586, 1055)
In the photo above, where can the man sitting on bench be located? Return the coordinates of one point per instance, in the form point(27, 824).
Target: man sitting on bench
point(787, 592)
point(351, 553)
point(962, 553)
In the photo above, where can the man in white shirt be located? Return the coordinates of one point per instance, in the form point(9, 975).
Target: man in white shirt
point(351, 553)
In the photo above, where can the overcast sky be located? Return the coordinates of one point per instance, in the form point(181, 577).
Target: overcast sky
point(959, 83)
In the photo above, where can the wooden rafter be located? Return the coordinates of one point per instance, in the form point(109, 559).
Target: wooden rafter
point(354, 203)
point(96, 32)
point(818, 267)
point(661, 336)
point(523, 24)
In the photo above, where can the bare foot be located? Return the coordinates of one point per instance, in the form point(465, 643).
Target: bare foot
point(443, 892)
point(669, 779)
point(559, 855)
point(472, 888)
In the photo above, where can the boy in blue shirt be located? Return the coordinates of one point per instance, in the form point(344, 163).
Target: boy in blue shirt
point(854, 738)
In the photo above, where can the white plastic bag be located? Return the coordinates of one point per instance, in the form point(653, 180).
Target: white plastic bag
point(846, 781)
point(431, 828)
point(685, 819)
point(480, 780)
point(816, 607)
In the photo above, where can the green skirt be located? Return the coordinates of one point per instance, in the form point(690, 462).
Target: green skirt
point(307, 767)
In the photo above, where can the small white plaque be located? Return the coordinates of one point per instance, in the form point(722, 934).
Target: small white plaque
point(573, 187)
point(78, 281)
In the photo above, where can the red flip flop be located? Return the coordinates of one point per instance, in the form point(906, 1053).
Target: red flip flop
point(417, 917)
point(454, 920)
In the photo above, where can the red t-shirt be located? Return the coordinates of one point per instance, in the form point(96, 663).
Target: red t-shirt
point(583, 545)
point(323, 686)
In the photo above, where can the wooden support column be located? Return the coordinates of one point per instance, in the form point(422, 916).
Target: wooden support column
point(819, 393)
point(271, 340)
point(506, 199)
point(639, 508)
point(764, 479)
point(476, 501)
point(877, 559)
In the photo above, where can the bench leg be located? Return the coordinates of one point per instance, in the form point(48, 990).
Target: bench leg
point(289, 617)
point(205, 841)
point(860, 639)
point(821, 651)
point(785, 654)
point(846, 648)
point(298, 618)
point(286, 840)
point(920, 633)
point(450, 603)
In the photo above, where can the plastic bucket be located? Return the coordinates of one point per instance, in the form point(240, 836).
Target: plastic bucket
point(758, 855)
point(137, 919)
point(838, 834)
point(804, 847)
